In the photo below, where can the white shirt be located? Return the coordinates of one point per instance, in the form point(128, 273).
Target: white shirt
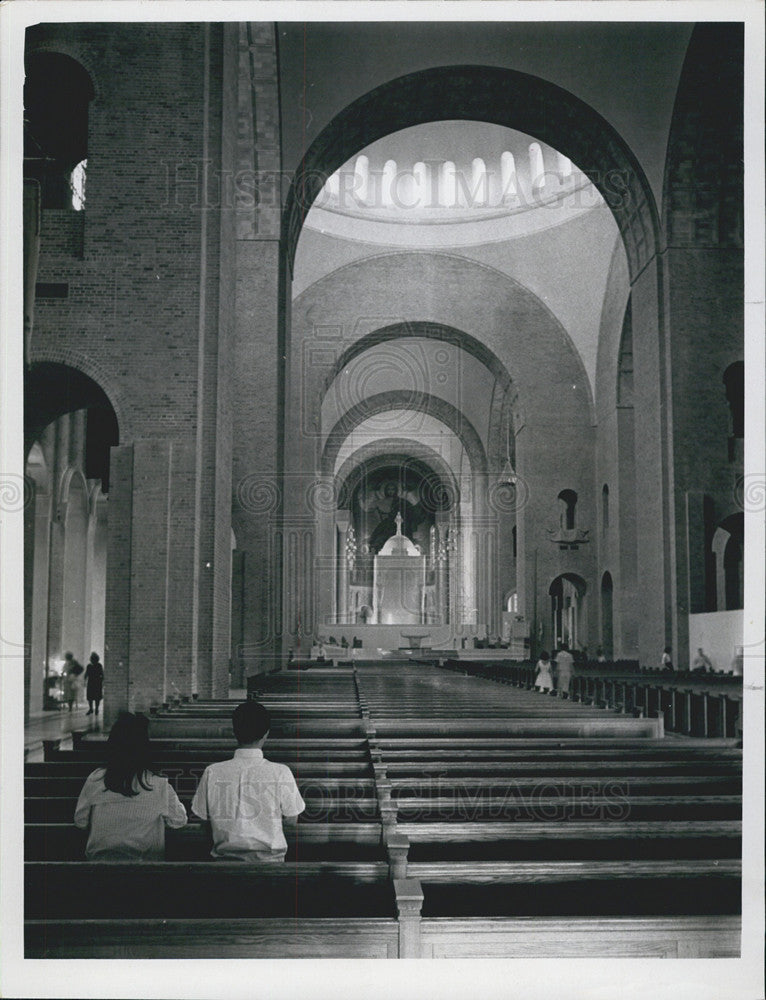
point(127, 828)
point(564, 660)
point(245, 799)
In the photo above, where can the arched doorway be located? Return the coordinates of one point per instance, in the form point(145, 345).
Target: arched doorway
point(727, 548)
point(70, 427)
point(568, 611)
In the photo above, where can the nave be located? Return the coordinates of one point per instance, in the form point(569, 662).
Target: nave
point(447, 816)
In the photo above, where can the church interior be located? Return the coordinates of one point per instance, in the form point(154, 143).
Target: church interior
point(365, 366)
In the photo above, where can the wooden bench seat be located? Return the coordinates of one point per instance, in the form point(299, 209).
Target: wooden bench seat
point(631, 895)
point(242, 938)
point(597, 726)
point(185, 780)
point(553, 769)
point(76, 761)
point(646, 784)
point(308, 710)
point(580, 937)
point(215, 748)
point(178, 727)
point(207, 889)
point(575, 749)
point(321, 806)
point(526, 872)
point(354, 841)
point(571, 840)
point(460, 806)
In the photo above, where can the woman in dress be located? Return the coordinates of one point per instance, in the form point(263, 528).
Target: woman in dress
point(72, 681)
point(94, 677)
point(124, 807)
point(543, 675)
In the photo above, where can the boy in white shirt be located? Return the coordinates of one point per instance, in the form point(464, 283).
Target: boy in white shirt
point(246, 799)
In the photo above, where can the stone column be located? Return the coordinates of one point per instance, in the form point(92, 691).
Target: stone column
point(342, 524)
point(259, 352)
point(150, 582)
point(655, 523)
point(36, 561)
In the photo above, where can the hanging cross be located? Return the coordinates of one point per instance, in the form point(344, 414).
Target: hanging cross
point(398, 520)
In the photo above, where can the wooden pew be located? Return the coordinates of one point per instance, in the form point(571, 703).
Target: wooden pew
point(175, 726)
point(655, 936)
point(206, 889)
point(681, 833)
point(533, 728)
point(322, 841)
point(300, 910)
point(243, 938)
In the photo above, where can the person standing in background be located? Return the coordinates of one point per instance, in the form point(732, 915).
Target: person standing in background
point(72, 681)
point(543, 676)
point(564, 668)
point(701, 664)
point(94, 679)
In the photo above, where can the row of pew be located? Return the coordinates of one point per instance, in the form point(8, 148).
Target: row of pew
point(445, 817)
point(689, 710)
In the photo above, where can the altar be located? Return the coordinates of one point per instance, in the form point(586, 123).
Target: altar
point(399, 582)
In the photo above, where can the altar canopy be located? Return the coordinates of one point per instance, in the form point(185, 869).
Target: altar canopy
point(399, 581)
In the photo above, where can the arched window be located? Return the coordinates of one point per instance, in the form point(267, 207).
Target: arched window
point(568, 619)
point(57, 92)
point(567, 504)
point(727, 548)
point(513, 602)
point(625, 363)
point(605, 507)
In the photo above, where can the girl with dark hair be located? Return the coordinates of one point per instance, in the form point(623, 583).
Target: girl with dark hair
point(124, 806)
point(543, 674)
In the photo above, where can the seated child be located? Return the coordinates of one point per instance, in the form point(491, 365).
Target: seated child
point(246, 799)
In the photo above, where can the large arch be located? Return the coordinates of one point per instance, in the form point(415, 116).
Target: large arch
point(502, 97)
point(428, 331)
point(499, 441)
point(385, 451)
point(85, 379)
point(420, 402)
point(407, 272)
point(549, 113)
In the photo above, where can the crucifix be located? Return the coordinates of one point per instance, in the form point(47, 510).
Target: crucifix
point(398, 520)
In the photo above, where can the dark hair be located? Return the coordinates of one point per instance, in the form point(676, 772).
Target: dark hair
point(127, 755)
point(544, 655)
point(250, 722)
point(94, 657)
